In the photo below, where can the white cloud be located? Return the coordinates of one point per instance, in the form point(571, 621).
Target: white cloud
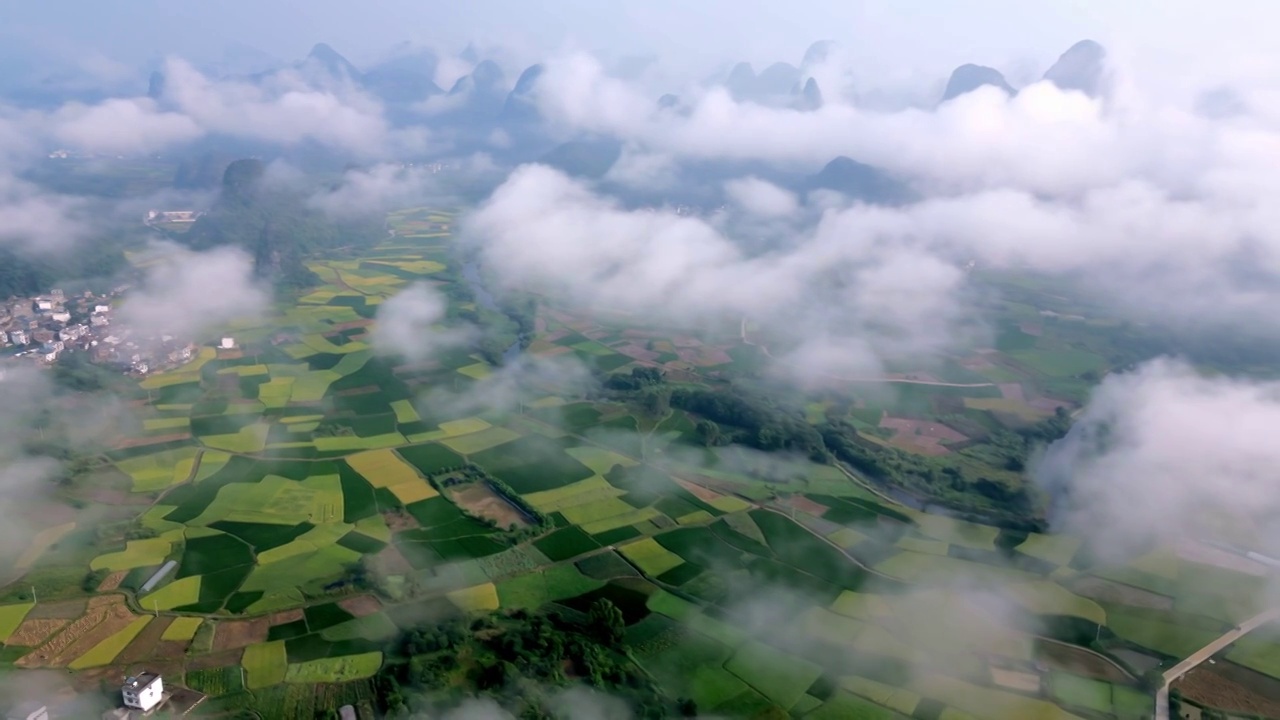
point(121, 125)
point(190, 293)
point(1163, 452)
point(409, 325)
point(761, 198)
point(36, 219)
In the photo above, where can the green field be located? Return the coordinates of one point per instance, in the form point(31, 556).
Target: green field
point(265, 664)
point(754, 575)
point(334, 670)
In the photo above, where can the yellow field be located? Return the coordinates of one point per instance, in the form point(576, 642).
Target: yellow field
point(11, 616)
point(265, 664)
point(478, 371)
point(176, 594)
point(41, 542)
point(384, 468)
point(480, 441)
point(480, 597)
point(107, 650)
point(465, 426)
point(182, 629)
point(137, 553)
point(650, 557)
point(404, 411)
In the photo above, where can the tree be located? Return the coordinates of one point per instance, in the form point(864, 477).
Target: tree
point(708, 432)
point(688, 708)
point(605, 622)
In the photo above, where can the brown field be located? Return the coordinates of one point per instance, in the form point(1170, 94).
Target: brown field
point(112, 581)
point(143, 647)
point(698, 491)
point(704, 356)
point(285, 617)
point(361, 605)
point(1096, 588)
point(215, 660)
point(1014, 680)
point(34, 631)
point(637, 352)
point(390, 562)
point(64, 610)
point(132, 442)
point(233, 634)
point(1210, 688)
point(1012, 391)
point(362, 390)
point(1079, 661)
point(480, 500)
point(1032, 329)
point(552, 351)
point(106, 616)
point(804, 505)
point(920, 436)
point(1207, 555)
point(399, 520)
point(171, 649)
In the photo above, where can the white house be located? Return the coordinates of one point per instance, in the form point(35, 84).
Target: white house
point(143, 692)
point(227, 343)
point(19, 337)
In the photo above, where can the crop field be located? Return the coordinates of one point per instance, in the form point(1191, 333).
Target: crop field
point(334, 670)
point(289, 477)
point(265, 664)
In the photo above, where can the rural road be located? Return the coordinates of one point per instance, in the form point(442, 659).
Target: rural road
point(901, 381)
point(1206, 652)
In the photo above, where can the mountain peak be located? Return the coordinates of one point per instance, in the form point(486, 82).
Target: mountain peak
point(332, 60)
point(970, 77)
point(807, 97)
point(1081, 67)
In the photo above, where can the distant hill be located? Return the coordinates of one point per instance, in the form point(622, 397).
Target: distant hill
point(274, 225)
point(585, 158)
point(775, 83)
point(332, 61)
point(808, 97)
point(406, 77)
point(520, 107)
point(1082, 67)
point(859, 181)
point(203, 172)
point(969, 77)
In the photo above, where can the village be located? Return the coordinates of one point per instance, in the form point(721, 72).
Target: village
point(40, 329)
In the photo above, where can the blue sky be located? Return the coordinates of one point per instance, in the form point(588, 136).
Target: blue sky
point(695, 34)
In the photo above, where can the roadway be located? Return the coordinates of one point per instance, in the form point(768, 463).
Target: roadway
point(1206, 652)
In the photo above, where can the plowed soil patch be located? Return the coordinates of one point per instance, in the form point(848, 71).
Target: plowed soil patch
point(112, 581)
point(232, 634)
point(1211, 689)
point(98, 624)
point(361, 605)
point(143, 647)
point(285, 617)
point(215, 660)
point(65, 610)
point(34, 631)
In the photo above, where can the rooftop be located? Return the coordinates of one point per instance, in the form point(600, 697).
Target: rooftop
point(141, 680)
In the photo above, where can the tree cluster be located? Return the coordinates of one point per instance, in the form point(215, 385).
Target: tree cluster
point(518, 659)
point(751, 420)
point(275, 225)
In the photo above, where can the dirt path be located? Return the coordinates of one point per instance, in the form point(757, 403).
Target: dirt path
point(901, 381)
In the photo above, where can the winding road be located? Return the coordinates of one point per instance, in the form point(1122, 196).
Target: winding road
point(1206, 652)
